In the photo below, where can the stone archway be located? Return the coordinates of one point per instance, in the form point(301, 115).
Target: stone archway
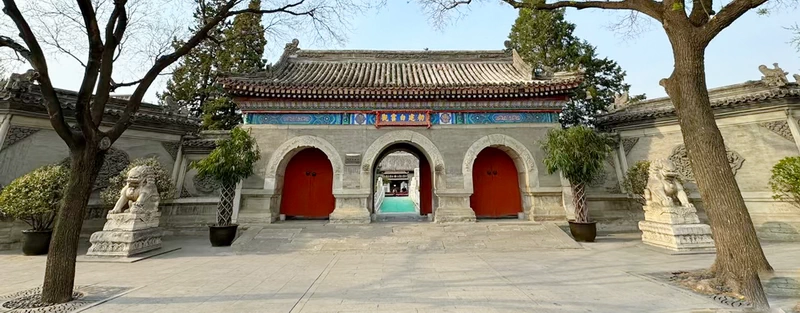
point(527, 172)
point(403, 136)
point(434, 161)
point(280, 158)
point(523, 159)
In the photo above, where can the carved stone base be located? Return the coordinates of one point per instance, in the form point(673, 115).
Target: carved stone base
point(350, 216)
point(124, 243)
point(671, 215)
point(131, 221)
point(677, 237)
point(454, 215)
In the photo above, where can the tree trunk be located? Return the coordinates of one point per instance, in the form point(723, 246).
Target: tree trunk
point(579, 201)
point(739, 255)
point(59, 277)
point(225, 207)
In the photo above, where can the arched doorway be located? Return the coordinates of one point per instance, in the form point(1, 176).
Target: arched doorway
point(495, 185)
point(424, 180)
point(308, 186)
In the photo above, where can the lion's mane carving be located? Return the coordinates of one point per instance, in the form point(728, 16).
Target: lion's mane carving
point(663, 187)
point(140, 194)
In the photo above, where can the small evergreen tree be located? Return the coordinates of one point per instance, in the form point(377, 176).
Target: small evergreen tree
point(242, 52)
point(545, 40)
point(237, 47)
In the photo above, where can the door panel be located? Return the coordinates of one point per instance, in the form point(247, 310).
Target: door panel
point(308, 186)
point(495, 185)
point(425, 186)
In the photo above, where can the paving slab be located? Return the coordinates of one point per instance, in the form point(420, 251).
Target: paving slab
point(482, 267)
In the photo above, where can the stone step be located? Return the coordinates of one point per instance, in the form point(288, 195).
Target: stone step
point(392, 218)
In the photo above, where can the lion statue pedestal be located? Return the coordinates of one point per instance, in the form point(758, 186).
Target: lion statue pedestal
point(132, 226)
point(671, 221)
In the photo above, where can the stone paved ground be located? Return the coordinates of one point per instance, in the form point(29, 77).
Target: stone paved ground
point(308, 267)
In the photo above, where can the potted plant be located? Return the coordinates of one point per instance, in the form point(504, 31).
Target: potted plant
point(231, 161)
point(34, 199)
point(579, 153)
point(166, 189)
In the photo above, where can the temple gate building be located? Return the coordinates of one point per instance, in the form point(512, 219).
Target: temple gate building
point(325, 119)
point(473, 120)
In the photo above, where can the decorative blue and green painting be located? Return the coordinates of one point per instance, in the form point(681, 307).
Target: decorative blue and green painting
point(369, 118)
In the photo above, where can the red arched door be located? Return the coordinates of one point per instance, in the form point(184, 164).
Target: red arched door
point(308, 186)
point(425, 186)
point(495, 185)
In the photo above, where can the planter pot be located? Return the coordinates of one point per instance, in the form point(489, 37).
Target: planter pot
point(36, 242)
point(583, 232)
point(222, 236)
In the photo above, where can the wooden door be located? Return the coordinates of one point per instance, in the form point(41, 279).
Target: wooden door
point(495, 185)
point(308, 186)
point(425, 186)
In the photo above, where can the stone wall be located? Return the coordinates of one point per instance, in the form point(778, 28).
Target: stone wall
point(450, 149)
point(755, 141)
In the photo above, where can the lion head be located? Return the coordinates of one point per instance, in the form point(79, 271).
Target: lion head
point(139, 174)
point(663, 169)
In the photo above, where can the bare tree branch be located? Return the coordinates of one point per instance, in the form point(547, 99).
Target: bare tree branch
point(39, 63)
point(115, 30)
point(166, 60)
point(18, 48)
point(83, 115)
point(726, 16)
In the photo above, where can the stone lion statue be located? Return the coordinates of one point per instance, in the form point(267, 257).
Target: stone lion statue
point(663, 187)
point(140, 194)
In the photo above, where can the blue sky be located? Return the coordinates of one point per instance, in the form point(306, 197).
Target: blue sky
point(733, 57)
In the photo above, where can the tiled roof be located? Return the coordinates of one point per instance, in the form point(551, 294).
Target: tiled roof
point(729, 97)
point(28, 100)
point(347, 74)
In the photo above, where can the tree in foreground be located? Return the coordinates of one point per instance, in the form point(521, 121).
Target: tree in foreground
point(102, 46)
point(236, 47)
point(579, 153)
point(690, 26)
point(545, 40)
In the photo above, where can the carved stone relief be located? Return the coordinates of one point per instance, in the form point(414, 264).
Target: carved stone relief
point(628, 143)
point(774, 77)
point(115, 162)
point(205, 185)
point(779, 127)
point(172, 148)
point(17, 134)
point(680, 158)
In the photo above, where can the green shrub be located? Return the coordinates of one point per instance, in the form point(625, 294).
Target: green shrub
point(635, 180)
point(785, 180)
point(34, 197)
point(166, 190)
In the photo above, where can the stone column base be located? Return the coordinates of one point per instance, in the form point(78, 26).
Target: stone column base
point(454, 215)
point(115, 243)
point(677, 237)
point(350, 216)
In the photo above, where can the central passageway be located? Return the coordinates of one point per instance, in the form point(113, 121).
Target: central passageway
point(397, 205)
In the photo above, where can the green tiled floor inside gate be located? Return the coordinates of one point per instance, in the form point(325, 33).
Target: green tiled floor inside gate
point(397, 205)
